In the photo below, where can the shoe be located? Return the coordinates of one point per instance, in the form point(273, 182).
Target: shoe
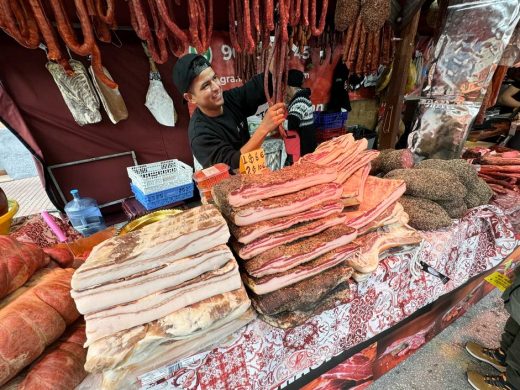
point(495, 357)
point(486, 382)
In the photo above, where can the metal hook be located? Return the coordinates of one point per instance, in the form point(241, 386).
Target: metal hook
point(68, 51)
point(43, 47)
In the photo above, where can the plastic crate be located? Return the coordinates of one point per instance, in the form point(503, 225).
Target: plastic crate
point(207, 178)
point(329, 120)
point(162, 198)
point(328, 134)
point(161, 175)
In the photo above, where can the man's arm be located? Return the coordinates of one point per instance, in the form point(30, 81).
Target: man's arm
point(250, 95)
point(273, 118)
point(506, 98)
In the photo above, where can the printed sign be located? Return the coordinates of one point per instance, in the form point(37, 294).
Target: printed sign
point(253, 162)
point(500, 281)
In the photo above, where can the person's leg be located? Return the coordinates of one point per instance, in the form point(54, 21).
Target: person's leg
point(511, 339)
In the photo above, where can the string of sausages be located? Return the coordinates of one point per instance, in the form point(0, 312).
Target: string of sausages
point(27, 22)
point(368, 37)
point(251, 24)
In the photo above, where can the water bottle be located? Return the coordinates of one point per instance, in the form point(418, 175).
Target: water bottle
point(84, 214)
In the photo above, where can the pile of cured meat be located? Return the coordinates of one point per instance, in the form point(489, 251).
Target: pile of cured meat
point(297, 244)
point(41, 341)
point(500, 169)
point(371, 203)
point(159, 294)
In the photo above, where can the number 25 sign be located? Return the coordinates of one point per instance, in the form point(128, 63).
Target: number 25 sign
point(253, 162)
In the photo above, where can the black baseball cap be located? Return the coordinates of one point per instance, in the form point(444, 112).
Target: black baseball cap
point(186, 69)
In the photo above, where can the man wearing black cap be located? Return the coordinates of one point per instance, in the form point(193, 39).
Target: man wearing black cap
point(218, 129)
point(301, 112)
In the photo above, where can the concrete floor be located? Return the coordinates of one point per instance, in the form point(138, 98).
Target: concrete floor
point(29, 194)
point(442, 363)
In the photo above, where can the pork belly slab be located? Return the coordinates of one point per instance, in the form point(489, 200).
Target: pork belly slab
point(274, 282)
point(162, 303)
point(302, 295)
point(281, 206)
point(294, 233)
point(167, 275)
point(176, 237)
point(240, 190)
point(285, 257)
point(250, 233)
point(188, 322)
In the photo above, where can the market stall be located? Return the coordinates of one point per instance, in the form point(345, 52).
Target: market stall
point(325, 273)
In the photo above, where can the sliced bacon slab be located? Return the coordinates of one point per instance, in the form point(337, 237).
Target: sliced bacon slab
point(294, 233)
point(241, 190)
point(285, 257)
point(360, 161)
point(303, 294)
point(393, 214)
point(270, 283)
point(173, 238)
point(281, 206)
point(162, 303)
point(354, 186)
point(382, 194)
point(250, 233)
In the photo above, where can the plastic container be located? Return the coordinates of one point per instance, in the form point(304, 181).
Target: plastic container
point(327, 134)
point(7, 218)
point(207, 178)
point(159, 176)
point(329, 120)
point(162, 198)
point(84, 214)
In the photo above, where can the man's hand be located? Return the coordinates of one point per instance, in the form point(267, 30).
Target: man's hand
point(273, 118)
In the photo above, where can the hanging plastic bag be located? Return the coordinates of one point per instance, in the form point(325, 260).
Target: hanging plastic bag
point(77, 91)
point(442, 128)
point(112, 100)
point(158, 101)
point(474, 37)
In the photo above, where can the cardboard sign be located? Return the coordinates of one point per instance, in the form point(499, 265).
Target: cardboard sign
point(253, 162)
point(500, 281)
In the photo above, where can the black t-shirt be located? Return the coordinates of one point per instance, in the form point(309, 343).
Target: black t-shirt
point(219, 139)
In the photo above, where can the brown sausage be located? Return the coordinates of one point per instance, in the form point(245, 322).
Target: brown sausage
point(375, 55)
point(179, 35)
point(354, 46)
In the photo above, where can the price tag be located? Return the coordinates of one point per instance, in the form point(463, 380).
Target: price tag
point(253, 162)
point(500, 281)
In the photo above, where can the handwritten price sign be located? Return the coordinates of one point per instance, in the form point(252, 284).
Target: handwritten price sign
point(253, 162)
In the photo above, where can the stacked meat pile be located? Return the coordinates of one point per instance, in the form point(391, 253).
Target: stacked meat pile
point(351, 159)
point(291, 238)
point(439, 190)
point(500, 169)
point(159, 294)
point(35, 310)
point(372, 202)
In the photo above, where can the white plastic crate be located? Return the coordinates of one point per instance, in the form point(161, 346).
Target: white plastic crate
point(160, 175)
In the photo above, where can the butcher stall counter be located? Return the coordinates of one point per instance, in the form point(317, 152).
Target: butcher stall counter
point(389, 316)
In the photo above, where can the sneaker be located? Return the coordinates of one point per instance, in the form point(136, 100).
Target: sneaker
point(495, 357)
point(486, 382)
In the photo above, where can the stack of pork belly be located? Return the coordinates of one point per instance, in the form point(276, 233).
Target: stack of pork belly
point(371, 203)
point(159, 294)
point(291, 238)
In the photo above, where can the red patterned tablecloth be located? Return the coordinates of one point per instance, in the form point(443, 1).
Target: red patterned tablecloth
point(264, 357)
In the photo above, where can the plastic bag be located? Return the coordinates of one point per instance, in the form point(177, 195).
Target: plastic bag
point(159, 102)
point(474, 37)
point(442, 128)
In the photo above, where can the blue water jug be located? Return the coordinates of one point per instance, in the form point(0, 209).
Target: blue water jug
point(84, 214)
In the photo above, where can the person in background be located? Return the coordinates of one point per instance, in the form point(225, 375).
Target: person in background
point(509, 98)
point(505, 359)
point(218, 130)
point(300, 115)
